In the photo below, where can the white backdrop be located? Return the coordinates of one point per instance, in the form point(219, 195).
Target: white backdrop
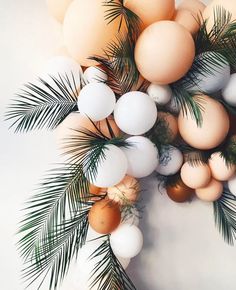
point(182, 248)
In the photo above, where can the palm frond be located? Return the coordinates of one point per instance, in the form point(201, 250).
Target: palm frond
point(225, 216)
point(43, 105)
point(53, 256)
point(188, 102)
point(119, 63)
point(111, 273)
point(221, 38)
point(88, 148)
point(117, 10)
point(61, 196)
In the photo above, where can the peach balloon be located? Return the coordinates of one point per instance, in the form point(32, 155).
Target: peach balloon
point(195, 6)
point(171, 123)
point(228, 5)
point(87, 32)
point(214, 127)
point(61, 51)
point(150, 11)
point(188, 20)
point(220, 169)
point(195, 176)
point(58, 8)
point(126, 191)
point(164, 52)
point(212, 192)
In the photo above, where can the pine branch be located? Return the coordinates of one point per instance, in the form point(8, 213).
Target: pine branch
point(225, 216)
point(111, 273)
point(44, 105)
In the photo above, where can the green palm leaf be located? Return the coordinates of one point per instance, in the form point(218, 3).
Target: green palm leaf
point(55, 255)
point(44, 105)
point(111, 273)
point(225, 216)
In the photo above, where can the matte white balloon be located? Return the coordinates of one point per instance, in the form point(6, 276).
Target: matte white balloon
point(62, 66)
point(232, 185)
point(229, 91)
point(142, 156)
point(135, 113)
point(171, 160)
point(97, 101)
point(217, 77)
point(173, 106)
point(94, 74)
point(111, 169)
point(126, 241)
point(161, 94)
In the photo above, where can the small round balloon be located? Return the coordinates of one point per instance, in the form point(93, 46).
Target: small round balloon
point(132, 109)
point(111, 169)
point(168, 59)
point(142, 156)
point(160, 94)
point(126, 241)
point(179, 192)
point(229, 91)
point(95, 74)
point(96, 101)
point(212, 192)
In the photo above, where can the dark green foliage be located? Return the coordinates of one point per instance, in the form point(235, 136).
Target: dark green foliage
point(111, 273)
point(225, 216)
point(42, 105)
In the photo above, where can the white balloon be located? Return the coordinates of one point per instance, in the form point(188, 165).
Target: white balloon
point(62, 66)
point(135, 113)
point(111, 169)
point(95, 75)
point(124, 262)
point(171, 160)
point(161, 94)
point(97, 101)
point(126, 241)
point(217, 77)
point(142, 156)
point(232, 185)
point(229, 91)
point(173, 106)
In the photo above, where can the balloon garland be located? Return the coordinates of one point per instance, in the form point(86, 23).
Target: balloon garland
point(142, 88)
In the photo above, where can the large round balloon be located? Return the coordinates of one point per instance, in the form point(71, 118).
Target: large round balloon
point(164, 52)
point(209, 12)
point(86, 31)
point(214, 128)
point(152, 10)
point(58, 8)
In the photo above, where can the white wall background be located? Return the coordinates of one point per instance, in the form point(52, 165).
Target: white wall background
point(182, 249)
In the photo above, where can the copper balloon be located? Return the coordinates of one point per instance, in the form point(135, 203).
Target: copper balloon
point(179, 192)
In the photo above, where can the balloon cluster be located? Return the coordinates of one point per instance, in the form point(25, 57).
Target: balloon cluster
point(164, 53)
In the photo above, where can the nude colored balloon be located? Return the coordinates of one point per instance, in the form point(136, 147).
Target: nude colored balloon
point(220, 169)
point(86, 31)
point(150, 11)
point(164, 52)
point(228, 5)
point(58, 8)
point(196, 176)
point(188, 20)
point(195, 6)
point(212, 192)
point(214, 128)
